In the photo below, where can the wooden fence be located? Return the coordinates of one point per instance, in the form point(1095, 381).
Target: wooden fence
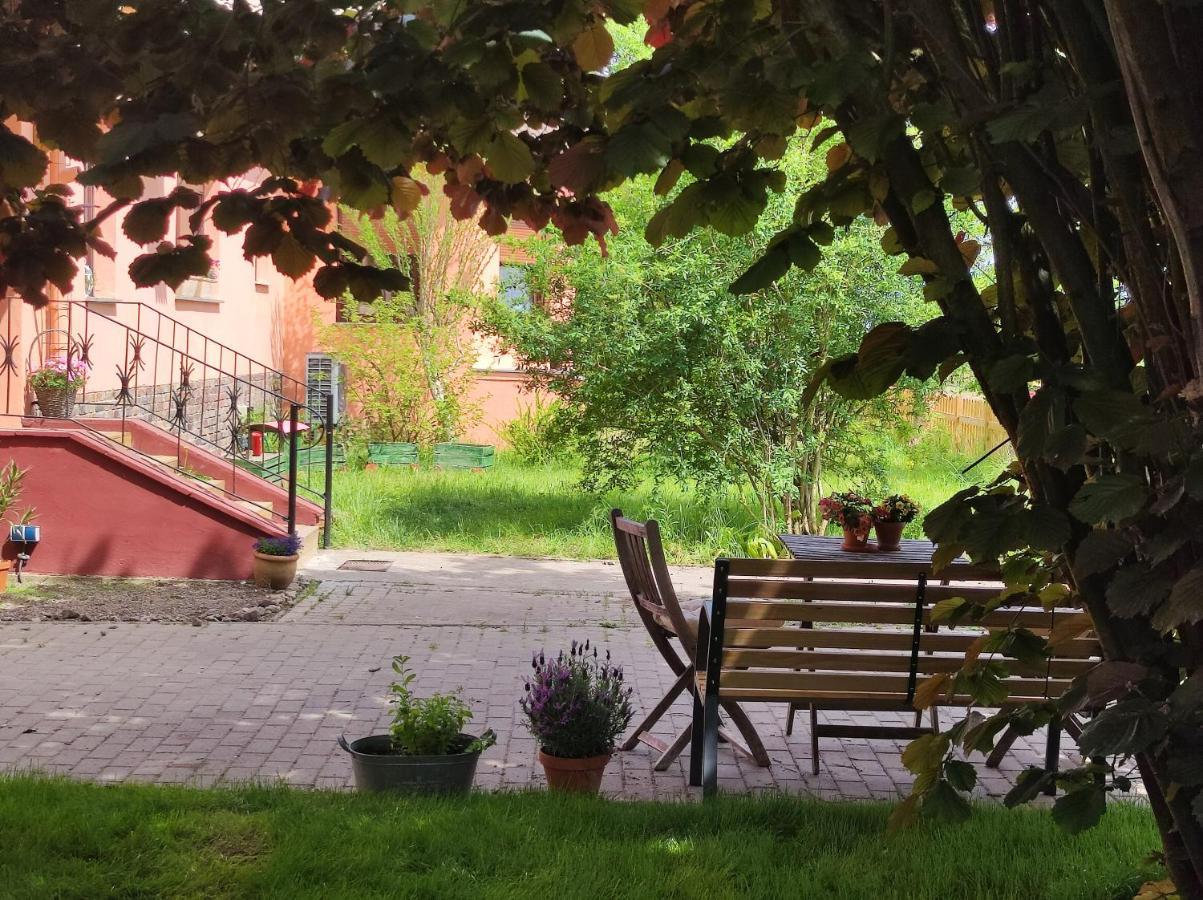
point(968, 420)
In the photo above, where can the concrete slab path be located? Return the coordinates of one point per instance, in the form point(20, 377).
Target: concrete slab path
point(266, 701)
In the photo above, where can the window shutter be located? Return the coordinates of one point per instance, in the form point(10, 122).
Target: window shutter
point(323, 375)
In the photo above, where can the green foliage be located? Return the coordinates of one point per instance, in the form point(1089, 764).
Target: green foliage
point(520, 510)
point(11, 479)
point(409, 353)
point(536, 435)
point(78, 839)
point(429, 726)
point(1028, 123)
point(659, 367)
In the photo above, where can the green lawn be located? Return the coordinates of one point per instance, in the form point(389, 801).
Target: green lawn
point(518, 510)
point(62, 839)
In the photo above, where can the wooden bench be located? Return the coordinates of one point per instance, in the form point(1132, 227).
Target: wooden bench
point(790, 632)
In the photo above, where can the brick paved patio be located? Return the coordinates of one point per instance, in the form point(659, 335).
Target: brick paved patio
point(266, 701)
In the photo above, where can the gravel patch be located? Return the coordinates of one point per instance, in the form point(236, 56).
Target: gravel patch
point(69, 598)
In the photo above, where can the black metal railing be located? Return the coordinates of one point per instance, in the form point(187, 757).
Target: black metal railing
point(134, 362)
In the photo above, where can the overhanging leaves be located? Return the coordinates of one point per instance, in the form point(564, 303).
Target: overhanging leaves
point(1109, 498)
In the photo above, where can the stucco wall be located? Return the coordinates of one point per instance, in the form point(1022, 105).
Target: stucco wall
point(119, 517)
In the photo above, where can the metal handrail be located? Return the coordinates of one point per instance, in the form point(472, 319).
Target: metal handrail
point(185, 361)
point(188, 329)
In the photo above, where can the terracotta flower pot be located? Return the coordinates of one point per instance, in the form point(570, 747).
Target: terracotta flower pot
point(855, 541)
point(275, 572)
point(889, 535)
point(582, 776)
point(5, 566)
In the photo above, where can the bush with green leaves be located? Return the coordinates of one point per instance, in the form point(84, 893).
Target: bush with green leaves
point(431, 726)
point(659, 367)
point(536, 435)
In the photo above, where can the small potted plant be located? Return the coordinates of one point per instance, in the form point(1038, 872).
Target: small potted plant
point(55, 384)
point(10, 490)
point(890, 517)
point(426, 750)
point(276, 561)
point(576, 706)
point(854, 514)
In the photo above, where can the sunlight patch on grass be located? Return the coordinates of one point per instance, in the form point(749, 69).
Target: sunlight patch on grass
point(67, 839)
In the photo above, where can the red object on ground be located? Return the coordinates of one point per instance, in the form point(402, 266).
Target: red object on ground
point(256, 443)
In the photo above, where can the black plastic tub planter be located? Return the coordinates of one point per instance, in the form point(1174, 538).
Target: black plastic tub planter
point(378, 767)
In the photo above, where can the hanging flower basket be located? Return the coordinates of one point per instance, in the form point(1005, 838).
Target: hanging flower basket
point(56, 402)
point(55, 383)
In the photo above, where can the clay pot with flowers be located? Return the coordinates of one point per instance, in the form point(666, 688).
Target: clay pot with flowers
point(55, 384)
point(576, 705)
point(890, 517)
point(851, 512)
point(276, 561)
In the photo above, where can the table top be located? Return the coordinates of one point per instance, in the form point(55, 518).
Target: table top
point(913, 554)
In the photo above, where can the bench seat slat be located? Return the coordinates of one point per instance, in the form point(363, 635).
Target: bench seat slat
point(833, 682)
point(784, 589)
point(849, 568)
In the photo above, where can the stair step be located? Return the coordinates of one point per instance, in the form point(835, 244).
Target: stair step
point(125, 439)
point(218, 484)
point(258, 507)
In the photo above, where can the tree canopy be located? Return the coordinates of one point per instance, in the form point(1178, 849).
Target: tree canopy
point(659, 366)
point(1070, 128)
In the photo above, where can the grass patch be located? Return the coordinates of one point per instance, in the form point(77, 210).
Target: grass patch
point(518, 510)
point(68, 839)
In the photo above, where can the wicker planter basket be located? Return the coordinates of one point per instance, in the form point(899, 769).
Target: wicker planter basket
point(54, 402)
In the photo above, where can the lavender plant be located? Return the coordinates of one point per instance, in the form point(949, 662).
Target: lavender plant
point(576, 705)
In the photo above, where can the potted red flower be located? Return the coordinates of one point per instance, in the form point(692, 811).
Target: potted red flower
point(890, 517)
point(576, 706)
point(851, 512)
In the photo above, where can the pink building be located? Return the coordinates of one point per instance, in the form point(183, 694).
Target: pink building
point(170, 461)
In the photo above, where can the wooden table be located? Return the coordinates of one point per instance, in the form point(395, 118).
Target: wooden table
point(911, 561)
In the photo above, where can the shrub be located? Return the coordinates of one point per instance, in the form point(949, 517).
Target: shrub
point(429, 727)
point(534, 434)
point(576, 706)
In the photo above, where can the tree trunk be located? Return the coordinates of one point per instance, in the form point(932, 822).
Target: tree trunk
point(1163, 74)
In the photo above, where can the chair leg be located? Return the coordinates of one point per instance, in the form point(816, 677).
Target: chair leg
point(814, 740)
point(741, 721)
point(659, 709)
point(695, 742)
point(1052, 754)
point(935, 720)
point(789, 719)
point(1001, 748)
point(674, 750)
point(710, 747)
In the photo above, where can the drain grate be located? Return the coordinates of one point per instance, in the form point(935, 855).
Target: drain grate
point(366, 565)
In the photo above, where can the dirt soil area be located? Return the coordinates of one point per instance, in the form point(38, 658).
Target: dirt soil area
point(88, 599)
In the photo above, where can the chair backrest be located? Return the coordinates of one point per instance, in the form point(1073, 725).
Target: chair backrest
point(866, 641)
point(641, 557)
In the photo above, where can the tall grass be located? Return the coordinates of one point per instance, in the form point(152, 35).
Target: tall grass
point(73, 840)
point(540, 510)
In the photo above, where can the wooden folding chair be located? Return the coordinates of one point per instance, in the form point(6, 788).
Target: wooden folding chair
point(641, 556)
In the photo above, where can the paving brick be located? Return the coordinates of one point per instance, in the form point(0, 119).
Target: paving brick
point(242, 702)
